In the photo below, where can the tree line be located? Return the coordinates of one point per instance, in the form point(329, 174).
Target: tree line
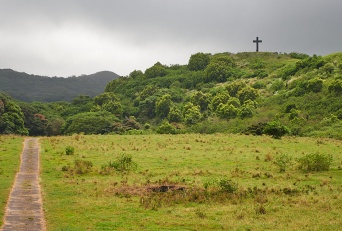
point(252, 93)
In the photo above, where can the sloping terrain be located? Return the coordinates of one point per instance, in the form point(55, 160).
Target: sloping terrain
point(30, 88)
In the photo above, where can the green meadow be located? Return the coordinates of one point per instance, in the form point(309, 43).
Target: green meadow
point(10, 150)
point(190, 182)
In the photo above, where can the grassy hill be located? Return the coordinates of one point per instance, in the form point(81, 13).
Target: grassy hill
point(252, 93)
point(30, 88)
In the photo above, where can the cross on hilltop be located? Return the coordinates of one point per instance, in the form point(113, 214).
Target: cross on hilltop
point(257, 41)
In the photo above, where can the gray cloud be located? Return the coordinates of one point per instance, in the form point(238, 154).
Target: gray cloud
point(68, 37)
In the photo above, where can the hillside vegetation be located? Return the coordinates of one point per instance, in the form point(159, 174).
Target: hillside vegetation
point(252, 93)
point(30, 88)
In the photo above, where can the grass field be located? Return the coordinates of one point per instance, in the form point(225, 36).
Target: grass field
point(221, 182)
point(10, 150)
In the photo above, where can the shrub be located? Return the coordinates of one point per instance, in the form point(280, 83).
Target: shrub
point(315, 162)
point(228, 185)
point(223, 185)
point(276, 129)
point(124, 163)
point(69, 150)
point(82, 166)
point(166, 128)
point(283, 161)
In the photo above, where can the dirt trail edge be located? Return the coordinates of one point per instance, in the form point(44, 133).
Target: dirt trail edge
point(24, 209)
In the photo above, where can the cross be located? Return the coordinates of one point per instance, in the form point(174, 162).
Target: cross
point(257, 41)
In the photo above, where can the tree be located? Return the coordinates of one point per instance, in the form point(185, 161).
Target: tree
point(336, 87)
point(89, 123)
point(105, 98)
point(192, 114)
point(166, 128)
point(157, 70)
point(234, 87)
point(163, 106)
point(108, 101)
point(11, 117)
point(227, 111)
point(315, 85)
point(198, 61)
point(114, 107)
point(175, 115)
point(136, 74)
point(276, 129)
point(201, 99)
point(218, 99)
point(218, 72)
point(247, 93)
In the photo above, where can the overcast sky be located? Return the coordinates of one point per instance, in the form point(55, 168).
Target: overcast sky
point(74, 37)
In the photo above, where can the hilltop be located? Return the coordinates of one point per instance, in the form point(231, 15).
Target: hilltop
point(30, 88)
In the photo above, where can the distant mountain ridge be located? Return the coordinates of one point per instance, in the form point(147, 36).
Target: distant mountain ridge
point(28, 88)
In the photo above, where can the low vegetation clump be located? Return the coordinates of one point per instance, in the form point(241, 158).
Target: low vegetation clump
point(69, 150)
point(283, 161)
point(123, 163)
point(315, 162)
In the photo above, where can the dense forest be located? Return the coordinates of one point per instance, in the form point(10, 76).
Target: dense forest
point(251, 93)
point(30, 88)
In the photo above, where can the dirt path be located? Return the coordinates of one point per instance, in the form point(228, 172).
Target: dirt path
point(24, 207)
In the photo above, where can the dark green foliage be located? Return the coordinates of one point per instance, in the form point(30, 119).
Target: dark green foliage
point(335, 87)
point(256, 129)
point(296, 55)
point(315, 162)
point(314, 62)
point(136, 74)
point(200, 99)
point(157, 70)
point(192, 113)
point(198, 61)
point(315, 85)
point(276, 129)
point(247, 93)
point(234, 87)
point(89, 123)
point(31, 88)
point(163, 106)
point(166, 128)
point(224, 93)
point(11, 117)
point(227, 111)
point(175, 115)
point(69, 150)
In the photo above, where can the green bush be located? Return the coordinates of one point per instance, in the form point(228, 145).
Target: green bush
point(228, 185)
point(223, 185)
point(283, 161)
point(69, 150)
point(166, 128)
point(315, 162)
point(124, 163)
point(276, 129)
